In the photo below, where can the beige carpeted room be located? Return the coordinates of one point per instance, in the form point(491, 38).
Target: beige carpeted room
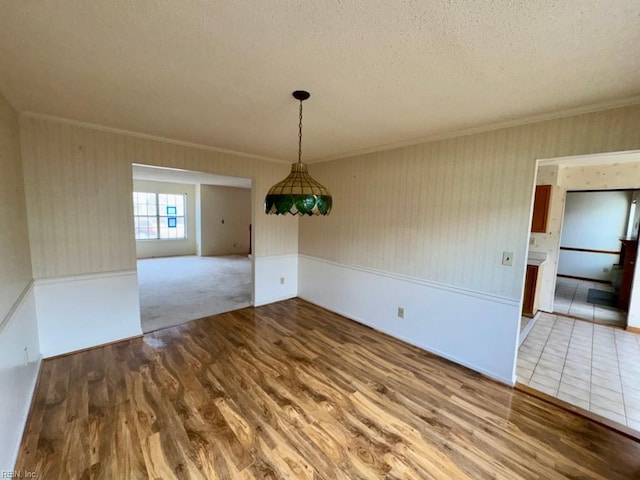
point(193, 261)
point(174, 290)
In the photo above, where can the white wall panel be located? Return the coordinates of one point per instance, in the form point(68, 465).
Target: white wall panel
point(19, 346)
point(633, 315)
point(467, 327)
point(19, 367)
point(587, 265)
point(443, 212)
point(276, 278)
point(84, 311)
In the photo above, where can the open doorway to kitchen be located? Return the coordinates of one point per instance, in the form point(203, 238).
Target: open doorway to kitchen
point(598, 248)
point(563, 352)
point(193, 244)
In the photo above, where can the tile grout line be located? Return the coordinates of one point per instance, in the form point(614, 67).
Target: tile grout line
point(624, 402)
point(543, 347)
point(621, 386)
point(564, 363)
point(555, 324)
point(573, 294)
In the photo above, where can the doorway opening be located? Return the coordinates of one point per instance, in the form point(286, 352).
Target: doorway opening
point(597, 254)
point(576, 256)
point(193, 243)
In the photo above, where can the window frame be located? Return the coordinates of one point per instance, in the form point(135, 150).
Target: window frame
point(158, 216)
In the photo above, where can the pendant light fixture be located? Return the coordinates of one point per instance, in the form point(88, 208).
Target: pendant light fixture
point(298, 194)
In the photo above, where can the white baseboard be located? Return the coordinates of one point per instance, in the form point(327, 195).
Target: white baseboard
point(20, 361)
point(474, 329)
point(268, 274)
point(84, 311)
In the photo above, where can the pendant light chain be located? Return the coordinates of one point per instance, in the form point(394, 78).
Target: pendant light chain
point(300, 135)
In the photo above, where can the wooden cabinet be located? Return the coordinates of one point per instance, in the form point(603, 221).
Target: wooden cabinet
point(628, 255)
point(541, 203)
point(530, 284)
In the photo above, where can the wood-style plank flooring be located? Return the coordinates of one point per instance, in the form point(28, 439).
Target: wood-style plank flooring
point(293, 391)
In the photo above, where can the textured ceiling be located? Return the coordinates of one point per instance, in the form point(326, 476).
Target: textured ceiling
point(220, 73)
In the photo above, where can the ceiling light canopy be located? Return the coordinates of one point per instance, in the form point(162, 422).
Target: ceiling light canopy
point(298, 194)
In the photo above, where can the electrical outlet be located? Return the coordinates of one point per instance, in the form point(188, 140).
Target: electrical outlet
point(281, 280)
point(532, 242)
point(605, 270)
point(26, 355)
point(400, 312)
point(507, 258)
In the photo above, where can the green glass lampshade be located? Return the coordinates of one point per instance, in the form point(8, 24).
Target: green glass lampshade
point(298, 194)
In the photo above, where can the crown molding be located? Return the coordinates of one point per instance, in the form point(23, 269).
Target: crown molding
point(146, 136)
point(378, 148)
point(487, 128)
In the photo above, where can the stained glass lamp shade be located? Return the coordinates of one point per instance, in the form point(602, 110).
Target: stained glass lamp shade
point(298, 194)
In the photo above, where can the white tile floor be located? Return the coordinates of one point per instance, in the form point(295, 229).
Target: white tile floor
point(595, 367)
point(571, 298)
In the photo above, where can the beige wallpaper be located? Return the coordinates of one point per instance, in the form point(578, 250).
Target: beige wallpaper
point(78, 185)
point(15, 261)
point(601, 177)
point(446, 210)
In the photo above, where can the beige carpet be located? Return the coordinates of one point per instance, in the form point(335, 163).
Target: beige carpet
point(174, 290)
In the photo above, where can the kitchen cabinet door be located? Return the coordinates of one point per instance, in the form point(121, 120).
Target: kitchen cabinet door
point(541, 203)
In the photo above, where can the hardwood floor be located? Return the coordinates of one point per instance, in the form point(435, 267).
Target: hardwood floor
point(293, 391)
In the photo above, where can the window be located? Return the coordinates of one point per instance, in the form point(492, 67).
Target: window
point(159, 216)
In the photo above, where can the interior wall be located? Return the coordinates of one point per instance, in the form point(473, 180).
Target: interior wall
point(441, 212)
point(167, 248)
point(593, 221)
point(79, 187)
point(435, 209)
point(225, 216)
point(15, 273)
point(445, 212)
point(19, 344)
